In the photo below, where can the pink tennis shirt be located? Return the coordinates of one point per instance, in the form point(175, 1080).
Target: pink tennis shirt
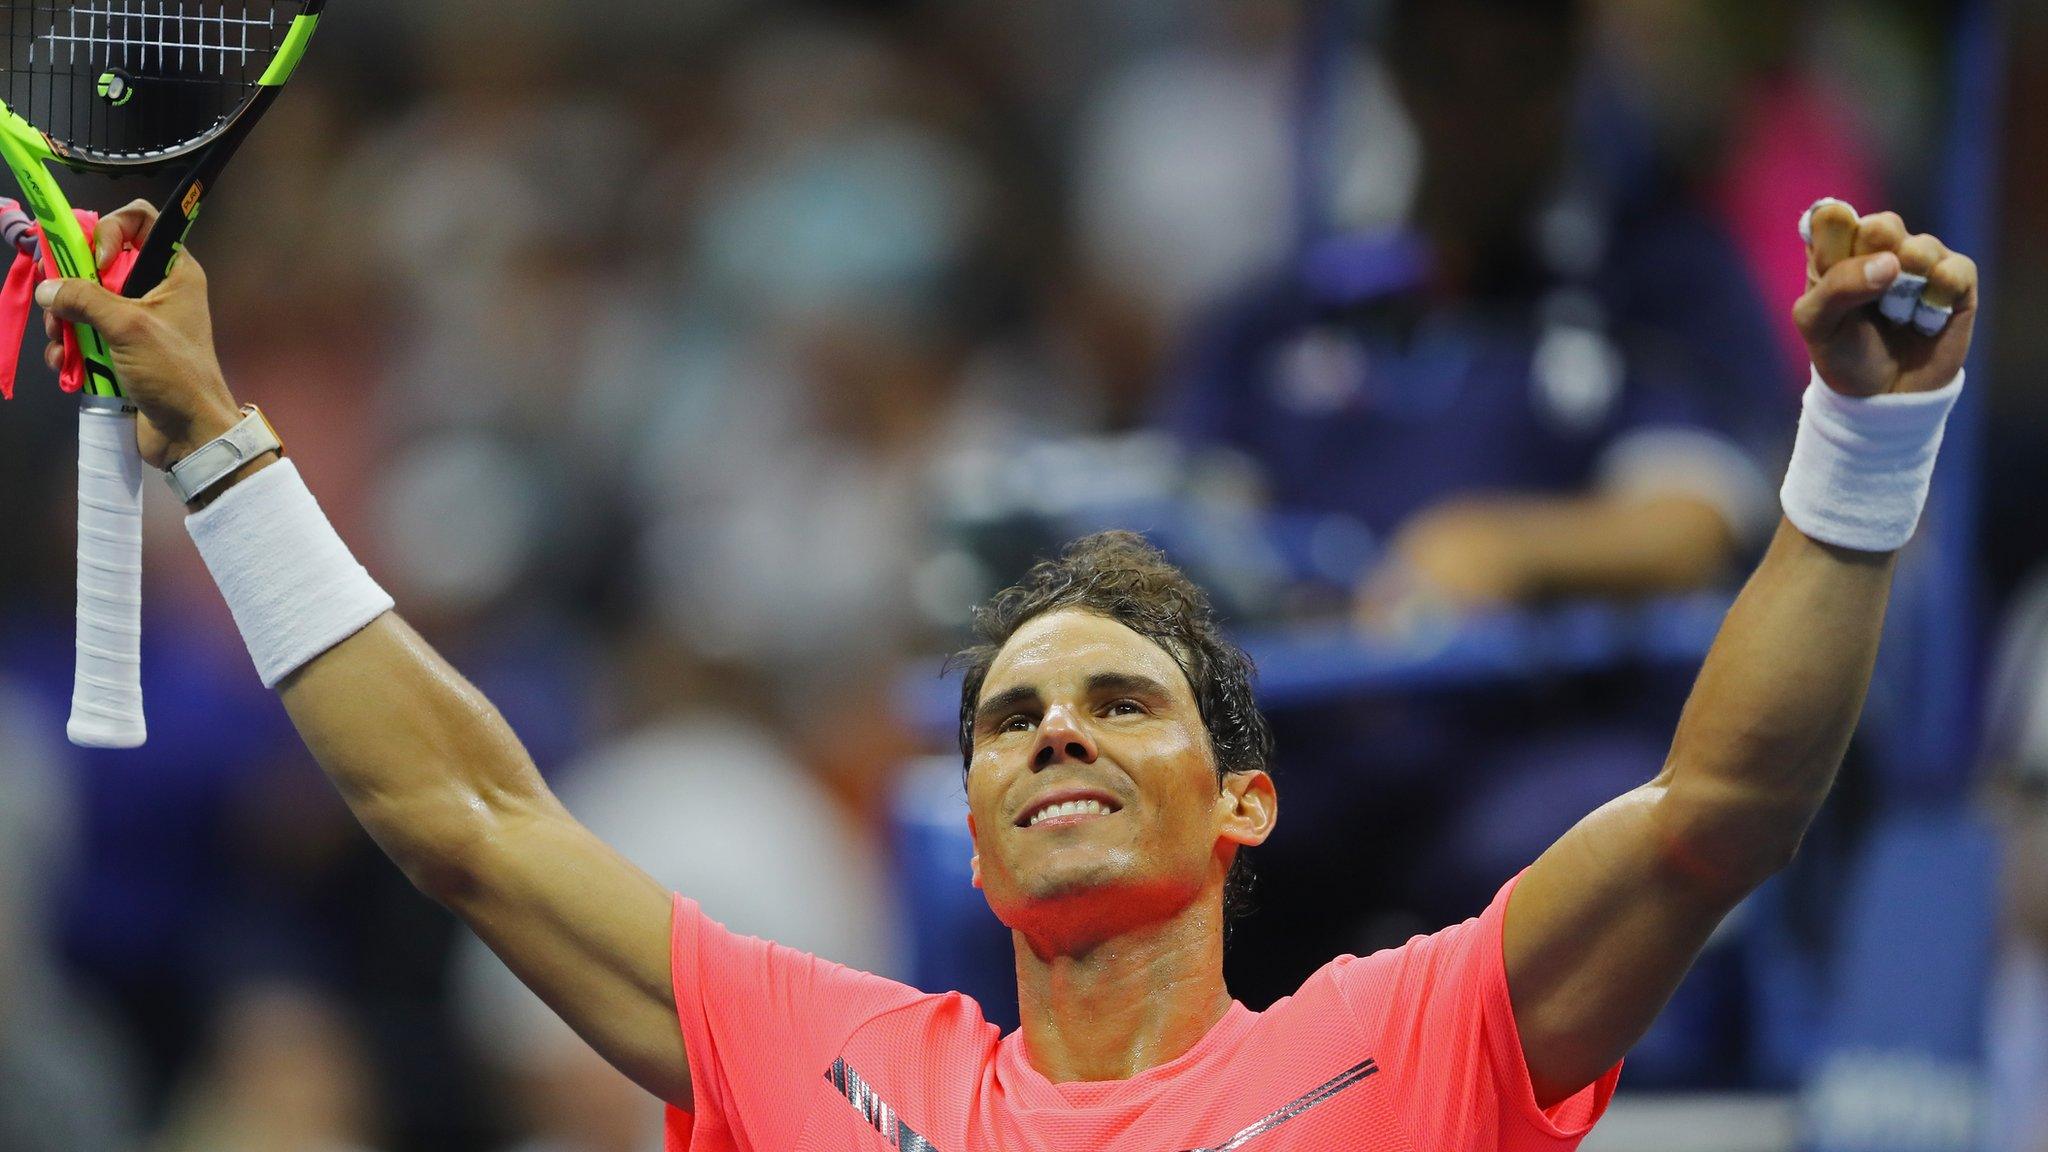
point(1412, 1049)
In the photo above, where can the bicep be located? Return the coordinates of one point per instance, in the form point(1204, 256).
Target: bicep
point(589, 932)
point(1599, 933)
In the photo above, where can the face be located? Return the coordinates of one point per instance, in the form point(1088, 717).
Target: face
point(1092, 792)
point(1490, 93)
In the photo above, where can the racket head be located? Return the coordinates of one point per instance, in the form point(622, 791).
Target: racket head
point(125, 85)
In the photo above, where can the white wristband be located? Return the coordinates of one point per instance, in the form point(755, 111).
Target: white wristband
point(293, 586)
point(1861, 466)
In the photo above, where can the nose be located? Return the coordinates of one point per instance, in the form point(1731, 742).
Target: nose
point(1061, 739)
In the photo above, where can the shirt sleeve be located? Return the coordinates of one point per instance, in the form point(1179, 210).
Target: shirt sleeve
point(1438, 1010)
point(760, 1024)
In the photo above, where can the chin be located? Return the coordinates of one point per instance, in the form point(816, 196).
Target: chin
point(1104, 893)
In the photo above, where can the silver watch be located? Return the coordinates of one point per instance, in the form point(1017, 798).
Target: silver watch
point(220, 458)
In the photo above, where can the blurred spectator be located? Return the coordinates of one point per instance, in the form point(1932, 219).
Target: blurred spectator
point(1184, 162)
point(2016, 747)
point(829, 354)
point(287, 1072)
point(65, 1080)
point(1735, 117)
point(485, 552)
point(1537, 339)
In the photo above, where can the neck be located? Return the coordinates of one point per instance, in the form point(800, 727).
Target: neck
point(1110, 1009)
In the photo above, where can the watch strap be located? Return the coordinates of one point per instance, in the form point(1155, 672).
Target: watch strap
point(219, 458)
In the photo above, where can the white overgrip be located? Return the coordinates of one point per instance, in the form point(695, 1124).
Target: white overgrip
point(106, 696)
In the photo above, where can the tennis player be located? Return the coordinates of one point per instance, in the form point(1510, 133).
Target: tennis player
point(1115, 769)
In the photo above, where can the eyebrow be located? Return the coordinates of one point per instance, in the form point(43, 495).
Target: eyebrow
point(1126, 684)
point(1008, 700)
point(1002, 704)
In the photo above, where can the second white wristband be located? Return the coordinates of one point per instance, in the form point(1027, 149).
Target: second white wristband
point(1861, 467)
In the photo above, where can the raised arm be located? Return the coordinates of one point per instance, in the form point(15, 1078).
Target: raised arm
point(1605, 924)
point(423, 760)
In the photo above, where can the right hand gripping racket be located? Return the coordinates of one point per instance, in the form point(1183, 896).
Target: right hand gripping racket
point(123, 87)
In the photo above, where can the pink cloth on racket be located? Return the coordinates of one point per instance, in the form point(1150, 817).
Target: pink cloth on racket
point(1412, 1049)
point(18, 296)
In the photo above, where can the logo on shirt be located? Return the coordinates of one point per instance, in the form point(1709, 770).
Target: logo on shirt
point(883, 1119)
point(1295, 1107)
point(874, 1109)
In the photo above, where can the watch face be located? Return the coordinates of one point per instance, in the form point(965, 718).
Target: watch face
point(272, 439)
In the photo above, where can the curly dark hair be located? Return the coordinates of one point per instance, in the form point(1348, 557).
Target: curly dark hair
point(1120, 576)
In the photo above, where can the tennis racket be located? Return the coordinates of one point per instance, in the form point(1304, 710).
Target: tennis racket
point(125, 87)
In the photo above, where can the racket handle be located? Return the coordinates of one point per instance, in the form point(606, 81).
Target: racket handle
point(106, 697)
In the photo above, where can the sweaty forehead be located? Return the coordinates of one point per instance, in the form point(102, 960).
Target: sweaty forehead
point(1063, 649)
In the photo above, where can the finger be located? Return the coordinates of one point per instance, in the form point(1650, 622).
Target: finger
point(1952, 283)
point(128, 227)
point(53, 328)
point(1834, 233)
point(186, 275)
point(1879, 232)
point(53, 355)
point(1919, 254)
point(1848, 286)
point(84, 302)
point(1903, 303)
point(186, 269)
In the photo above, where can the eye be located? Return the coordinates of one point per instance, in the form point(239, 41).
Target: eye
point(1125, 708)
point(1016, 723)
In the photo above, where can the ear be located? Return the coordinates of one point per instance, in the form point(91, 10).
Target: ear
point(974, 861)
point(1250, 807)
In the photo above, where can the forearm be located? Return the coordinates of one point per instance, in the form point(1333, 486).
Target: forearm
point(1601, 544)
point(1771, 714)
point(422, 758)
point(1512, 548)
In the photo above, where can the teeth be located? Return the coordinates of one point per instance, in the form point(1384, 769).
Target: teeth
point(1070, 808)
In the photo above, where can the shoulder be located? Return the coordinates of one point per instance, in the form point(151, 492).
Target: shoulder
point(1420, 965)
point(1453, 970)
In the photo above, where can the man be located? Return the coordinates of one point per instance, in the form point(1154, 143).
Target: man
point(1115, 770)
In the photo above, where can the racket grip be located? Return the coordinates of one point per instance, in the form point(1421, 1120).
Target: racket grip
point(106, 697)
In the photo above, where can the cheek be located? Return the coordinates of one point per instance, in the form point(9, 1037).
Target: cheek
point(1182, 792)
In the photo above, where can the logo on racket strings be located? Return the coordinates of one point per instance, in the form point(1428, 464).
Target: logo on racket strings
point(116, 88)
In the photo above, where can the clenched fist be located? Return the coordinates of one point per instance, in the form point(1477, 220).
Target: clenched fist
point(1850, 262)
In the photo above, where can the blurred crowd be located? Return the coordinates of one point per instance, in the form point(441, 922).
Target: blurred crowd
point(688, 370)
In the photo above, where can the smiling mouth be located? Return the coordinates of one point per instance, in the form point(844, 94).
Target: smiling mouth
point(1068, 812)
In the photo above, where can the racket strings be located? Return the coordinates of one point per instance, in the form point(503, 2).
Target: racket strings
point(125, 80)
point(124, 35)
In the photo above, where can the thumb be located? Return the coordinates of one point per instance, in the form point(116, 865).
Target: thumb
point(1847, 286)
point(85, 302)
